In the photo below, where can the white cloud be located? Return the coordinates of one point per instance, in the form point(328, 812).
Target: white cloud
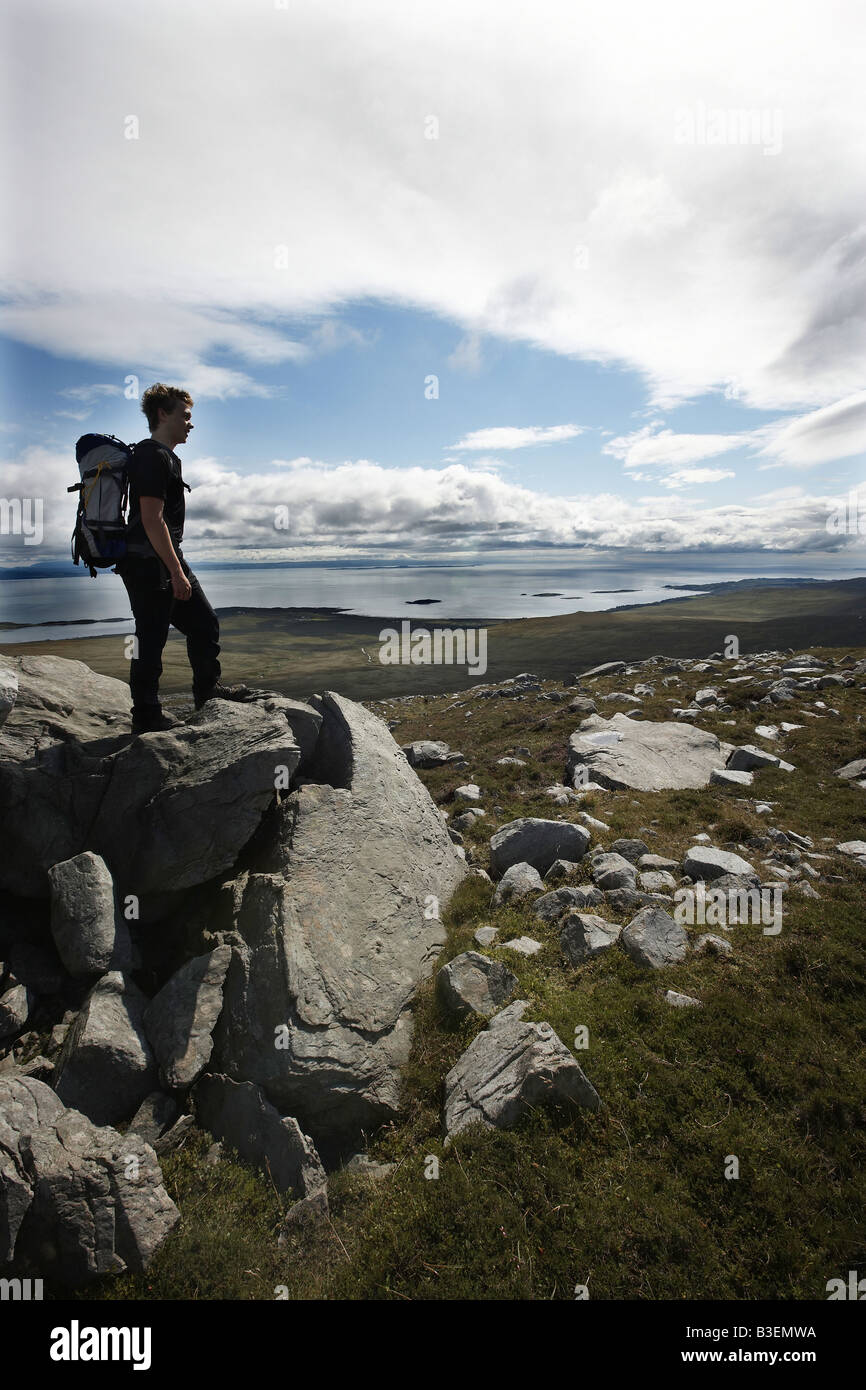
point(303, 128)
point(838, 431)
point(690, 477)
point(651, 447)
point(512, 437)
point(359, 507)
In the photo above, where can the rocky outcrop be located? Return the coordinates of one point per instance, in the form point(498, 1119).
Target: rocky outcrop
point(165, 810)
point(335, 931)
point(622, 752)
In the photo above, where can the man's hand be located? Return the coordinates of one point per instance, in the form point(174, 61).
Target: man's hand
point(180, 585)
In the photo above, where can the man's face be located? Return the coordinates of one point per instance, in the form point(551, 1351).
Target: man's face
point(179, 422)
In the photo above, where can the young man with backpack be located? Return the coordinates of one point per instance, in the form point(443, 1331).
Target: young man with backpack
point(162, 589)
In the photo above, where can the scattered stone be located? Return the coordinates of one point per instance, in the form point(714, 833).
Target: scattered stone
point(156, 1114)
point(537, 842)
point(516, 883)
point(710, 942)
point(551, 906)
point(613, 871)
point(607, 668)
point(15, 1006)
point(654, 939)
point(682, 1001)
point(523, 945)
point(656, 881)
point(585, 935)
point(658, 861)
point(708, 863)
point(473, 984)
point(729, 777)
point(748, 758)
point(510, 1067)
point(560, 869)
point(485, 936)
point(632, 850)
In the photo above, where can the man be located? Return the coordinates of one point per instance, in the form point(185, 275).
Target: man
point(162, 589)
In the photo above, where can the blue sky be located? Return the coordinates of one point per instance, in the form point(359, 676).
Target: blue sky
point(628, 246)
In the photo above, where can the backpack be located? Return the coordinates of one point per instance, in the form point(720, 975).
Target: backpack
point(99, 538)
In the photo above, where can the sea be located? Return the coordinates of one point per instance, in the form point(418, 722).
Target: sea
point(57, 608)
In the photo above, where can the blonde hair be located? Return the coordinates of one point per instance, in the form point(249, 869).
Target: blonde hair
point(161, 397)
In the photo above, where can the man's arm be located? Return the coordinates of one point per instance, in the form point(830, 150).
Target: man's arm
point(158, 534)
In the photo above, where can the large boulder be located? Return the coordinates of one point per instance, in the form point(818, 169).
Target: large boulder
point(165, 810)
point(76, 1201)
point(335, 928)
point(106, 1066)
point(646, 756)
point(509, 1068)
point(704, 862)
point(538, 842)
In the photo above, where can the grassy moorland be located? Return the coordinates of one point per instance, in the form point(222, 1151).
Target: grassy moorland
point(632, 1201)
point(299, 651)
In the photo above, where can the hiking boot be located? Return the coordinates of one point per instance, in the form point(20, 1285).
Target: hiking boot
point(226, 692)
point(149, 719)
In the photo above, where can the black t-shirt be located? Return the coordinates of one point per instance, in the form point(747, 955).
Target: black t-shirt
point(155, 471)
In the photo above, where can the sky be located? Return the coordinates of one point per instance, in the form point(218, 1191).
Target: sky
point(445, 281)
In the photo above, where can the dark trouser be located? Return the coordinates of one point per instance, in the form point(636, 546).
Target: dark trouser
point(155, 609)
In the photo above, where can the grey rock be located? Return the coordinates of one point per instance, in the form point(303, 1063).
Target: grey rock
point(15, 1006)
point(106, 1067)
point(622, 752)
point(367, 1167)
point(581, 704)
point(656, 881)
point(852, 771)
point(682, 1001)
point(607, 668)
point(730, 777)
point(705, 862)
point(76, 1201)
point(551, 906)
point(585, 935)
point(632, 850)
point(8, 689)
point(658, 861)
point(518, 882)
point(523, 945)
point(154, 1117)
point(560, 869)
point(484, 936)
point(708, 941)
point(473, 984)
point(165, 810)
point(336, 932)
point(180, 1019)
point(427, 752)
point(238, 1113)
point(748, 758)
point(613, 871)
point(625, 900)
point(90, 935)
point(537, 842)
point(470, 792)
point(510, 1067)
point(654, 939)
